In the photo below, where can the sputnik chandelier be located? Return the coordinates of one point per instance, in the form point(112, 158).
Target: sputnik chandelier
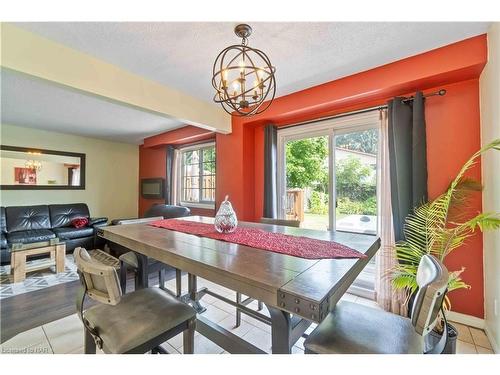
point(243, 77)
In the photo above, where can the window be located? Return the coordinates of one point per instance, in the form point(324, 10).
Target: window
point(197, 171)
point(328, 179)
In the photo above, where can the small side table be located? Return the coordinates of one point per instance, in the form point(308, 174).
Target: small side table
point(19, 252)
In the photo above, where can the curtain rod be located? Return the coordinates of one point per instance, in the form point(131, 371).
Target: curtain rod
point(441, 92)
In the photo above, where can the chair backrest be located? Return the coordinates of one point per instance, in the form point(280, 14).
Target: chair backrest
point(167, 211)
point(285, 223)
point(144, 220)
point(432, 280)
point(101, 281)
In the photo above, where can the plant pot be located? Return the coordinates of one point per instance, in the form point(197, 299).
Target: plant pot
point(451, 346)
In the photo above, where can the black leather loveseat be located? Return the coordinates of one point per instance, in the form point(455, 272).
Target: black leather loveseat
point(29, 224)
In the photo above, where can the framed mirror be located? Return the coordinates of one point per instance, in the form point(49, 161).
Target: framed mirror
point(25, 168)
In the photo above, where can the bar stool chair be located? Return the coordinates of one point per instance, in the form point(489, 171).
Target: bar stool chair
point(137, 322)
point(356, 329)
point(130, 262)
point(246, 301)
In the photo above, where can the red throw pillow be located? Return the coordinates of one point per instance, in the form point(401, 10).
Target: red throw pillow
point(79, 222)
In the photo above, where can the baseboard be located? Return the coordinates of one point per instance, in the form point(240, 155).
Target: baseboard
point(468, 320)
point(493, 343)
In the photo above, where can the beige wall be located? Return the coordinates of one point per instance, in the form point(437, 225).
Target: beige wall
point(490, 129)
point(112, 172)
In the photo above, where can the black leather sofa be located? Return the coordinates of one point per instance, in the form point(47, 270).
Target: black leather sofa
point(29, 224)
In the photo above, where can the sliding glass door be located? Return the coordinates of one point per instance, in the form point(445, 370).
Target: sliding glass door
point(306, 195)
point(355, 179)
point(328, 176)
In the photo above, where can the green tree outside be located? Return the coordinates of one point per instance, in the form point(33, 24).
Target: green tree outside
point(307, 166)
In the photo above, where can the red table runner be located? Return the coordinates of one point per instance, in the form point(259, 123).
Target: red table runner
point(297, 246)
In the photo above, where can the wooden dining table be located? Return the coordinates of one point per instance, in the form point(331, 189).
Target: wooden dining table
point(295, 290)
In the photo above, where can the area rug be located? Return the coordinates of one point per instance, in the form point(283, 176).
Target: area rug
point(36, 280)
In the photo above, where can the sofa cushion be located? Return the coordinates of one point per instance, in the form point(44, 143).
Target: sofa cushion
point(23, 218)
point(79, 222)
point(61, 215)
point(70, 233)
point(30, 236)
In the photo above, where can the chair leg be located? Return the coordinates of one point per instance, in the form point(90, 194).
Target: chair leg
point(260, 305)
point(238, 312)
point(89, 343)
point(188, 337)
point(137, 281)
point(158, 350)
point(178, 282)
point(123, 277)
point(161, 276)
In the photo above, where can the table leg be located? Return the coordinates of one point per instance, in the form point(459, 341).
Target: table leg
point(238, 312)
point(18, 266)
point(178, 282)
point(143, 274)
point(281, 331)
point(60, 257)
point(193, 294)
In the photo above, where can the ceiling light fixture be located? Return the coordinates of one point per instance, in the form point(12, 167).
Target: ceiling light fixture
point(243, 77)
point(34, 165)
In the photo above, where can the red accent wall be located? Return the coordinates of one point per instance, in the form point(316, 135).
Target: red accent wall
point(152, 164)
point(153, 160)
point(453, 135)
point(453, 132)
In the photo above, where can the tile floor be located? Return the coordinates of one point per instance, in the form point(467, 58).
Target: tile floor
point(66, 335)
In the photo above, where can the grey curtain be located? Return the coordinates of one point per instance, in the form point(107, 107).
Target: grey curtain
point(407, 157)
point(270, 164)
point(169, 180)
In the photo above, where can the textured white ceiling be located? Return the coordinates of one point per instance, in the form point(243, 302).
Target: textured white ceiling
point(34, 103)
point(305, 54)
point(181, 55)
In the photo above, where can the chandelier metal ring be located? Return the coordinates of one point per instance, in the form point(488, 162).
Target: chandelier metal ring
point(233, 70)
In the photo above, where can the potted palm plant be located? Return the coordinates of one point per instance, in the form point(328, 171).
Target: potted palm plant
point(438, 227)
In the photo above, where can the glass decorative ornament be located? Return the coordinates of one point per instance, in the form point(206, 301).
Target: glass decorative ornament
point(225, 220)
point(243, 77)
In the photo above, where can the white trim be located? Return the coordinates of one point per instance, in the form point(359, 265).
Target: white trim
point(361, 292)
point(196, 146)
point(329, 128)
point(179, 175)
point(468, 320)
point(491, 339)
point(198, 205)
point(355, 120)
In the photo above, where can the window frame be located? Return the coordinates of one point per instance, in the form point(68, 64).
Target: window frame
point(181, 173)
point(330, 128)
point(333, 128)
